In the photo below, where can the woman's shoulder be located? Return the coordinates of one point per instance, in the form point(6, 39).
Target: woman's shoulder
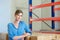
point(22, 22)
point(9, 24)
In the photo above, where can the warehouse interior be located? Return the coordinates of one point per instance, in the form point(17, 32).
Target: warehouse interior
point(41, 16)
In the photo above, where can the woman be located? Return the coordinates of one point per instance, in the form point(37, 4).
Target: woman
point(18, 29)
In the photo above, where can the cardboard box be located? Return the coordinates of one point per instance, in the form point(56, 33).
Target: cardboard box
point(58, 37)
point(33, 37)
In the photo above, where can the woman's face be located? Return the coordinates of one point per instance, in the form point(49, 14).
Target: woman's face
point(18, 17)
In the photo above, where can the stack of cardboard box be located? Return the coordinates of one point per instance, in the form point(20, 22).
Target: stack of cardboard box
point(43, 36)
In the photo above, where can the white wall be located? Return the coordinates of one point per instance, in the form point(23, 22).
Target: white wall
point(46, 12)
point(13, 9)
point(57, 14)
point(5, 9)
point(36, 26)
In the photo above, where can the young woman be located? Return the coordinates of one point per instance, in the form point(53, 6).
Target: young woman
point(17, 30)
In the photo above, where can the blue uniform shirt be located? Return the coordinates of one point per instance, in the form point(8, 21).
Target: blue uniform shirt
point(13, 31)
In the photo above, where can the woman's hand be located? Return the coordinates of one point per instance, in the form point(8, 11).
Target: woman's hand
point(17, 37)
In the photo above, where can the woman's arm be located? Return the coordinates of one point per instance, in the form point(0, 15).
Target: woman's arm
point(10, 33)
point(19, 37)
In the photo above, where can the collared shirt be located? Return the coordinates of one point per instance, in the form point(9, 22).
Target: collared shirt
point(13, 31)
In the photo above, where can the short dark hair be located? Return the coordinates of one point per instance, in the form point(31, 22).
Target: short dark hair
point(18, 11)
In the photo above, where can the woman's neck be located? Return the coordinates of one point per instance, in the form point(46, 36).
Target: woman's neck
point(17, 22)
